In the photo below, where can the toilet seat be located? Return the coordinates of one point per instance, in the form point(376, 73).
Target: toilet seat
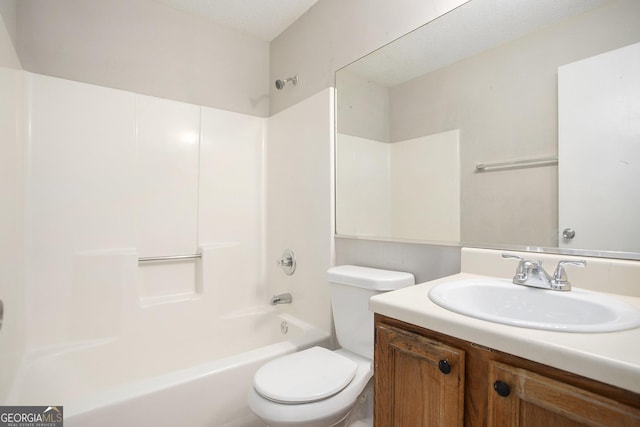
point(304, 377)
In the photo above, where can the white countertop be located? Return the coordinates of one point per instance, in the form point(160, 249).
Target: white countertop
point(612, 357)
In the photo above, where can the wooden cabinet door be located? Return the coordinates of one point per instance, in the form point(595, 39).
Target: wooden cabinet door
point(520, 398)
point(418, 381)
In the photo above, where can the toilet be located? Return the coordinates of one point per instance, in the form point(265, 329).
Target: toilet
point(319, 387)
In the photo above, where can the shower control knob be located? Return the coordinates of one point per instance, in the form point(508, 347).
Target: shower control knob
point(287, 262)
point(444, 366)
point(502, 388)
point(568, 233)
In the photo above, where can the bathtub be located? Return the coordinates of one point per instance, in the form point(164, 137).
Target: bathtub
point(194, 379)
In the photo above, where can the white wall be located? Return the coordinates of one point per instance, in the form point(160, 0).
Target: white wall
point(299, 159)
point(146, 47)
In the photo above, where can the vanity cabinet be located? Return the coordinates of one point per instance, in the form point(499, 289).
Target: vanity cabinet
point(418, 381)
point(425, 378)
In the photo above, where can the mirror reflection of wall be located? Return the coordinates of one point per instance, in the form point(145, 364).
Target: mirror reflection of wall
point(490, 73)
point(409, 189)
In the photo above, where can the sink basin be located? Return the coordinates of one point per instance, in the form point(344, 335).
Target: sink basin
point(501, 301)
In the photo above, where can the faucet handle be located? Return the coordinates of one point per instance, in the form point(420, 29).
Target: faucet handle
point(520, 272)
point(560, 276)
point(506, 255)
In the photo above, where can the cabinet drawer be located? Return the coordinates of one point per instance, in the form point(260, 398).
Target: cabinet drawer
point(518, 397)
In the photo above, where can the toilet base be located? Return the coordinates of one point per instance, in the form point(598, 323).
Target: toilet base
point(362, 413)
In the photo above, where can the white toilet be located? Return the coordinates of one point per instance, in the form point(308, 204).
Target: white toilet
point(318, 387)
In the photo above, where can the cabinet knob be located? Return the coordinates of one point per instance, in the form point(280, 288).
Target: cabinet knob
point(502, 388)
point(444, 366)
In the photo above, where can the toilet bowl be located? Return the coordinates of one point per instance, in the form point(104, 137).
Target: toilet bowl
point(318, 387)
point(320, 405)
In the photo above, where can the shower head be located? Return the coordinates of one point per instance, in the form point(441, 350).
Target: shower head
point(280, 84)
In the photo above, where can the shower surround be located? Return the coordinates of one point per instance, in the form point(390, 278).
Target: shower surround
point(112, 176)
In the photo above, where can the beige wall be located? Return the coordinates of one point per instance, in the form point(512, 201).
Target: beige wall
point(8, 15)
point(8, 54)
point(504, 101)
point(362, 107)
point(334, 33)
point(145, 47)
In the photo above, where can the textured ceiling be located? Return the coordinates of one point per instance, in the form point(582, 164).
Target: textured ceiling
point(264, 19)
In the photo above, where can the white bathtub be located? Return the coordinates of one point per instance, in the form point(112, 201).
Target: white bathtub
point(195, 379)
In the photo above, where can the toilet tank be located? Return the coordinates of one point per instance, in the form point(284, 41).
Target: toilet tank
point(351, 288)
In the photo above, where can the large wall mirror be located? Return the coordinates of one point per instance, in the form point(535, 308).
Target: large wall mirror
point(504, 123)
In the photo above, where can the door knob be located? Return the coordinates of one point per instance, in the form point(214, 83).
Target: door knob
point(444, 366)
point(502, 388)
point(568, 233)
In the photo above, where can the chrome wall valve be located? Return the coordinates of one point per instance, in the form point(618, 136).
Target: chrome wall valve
point(287, 262)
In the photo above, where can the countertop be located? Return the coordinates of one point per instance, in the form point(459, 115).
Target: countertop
point(612, 357)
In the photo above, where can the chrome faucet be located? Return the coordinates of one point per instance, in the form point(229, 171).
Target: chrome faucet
point(281, 299)
point(531, 273)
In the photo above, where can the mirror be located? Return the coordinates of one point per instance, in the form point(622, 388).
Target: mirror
point(450, 134)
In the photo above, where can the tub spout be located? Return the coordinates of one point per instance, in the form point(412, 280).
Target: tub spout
point(281, 299)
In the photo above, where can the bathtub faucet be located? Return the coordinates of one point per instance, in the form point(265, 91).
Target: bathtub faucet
point(281, 299)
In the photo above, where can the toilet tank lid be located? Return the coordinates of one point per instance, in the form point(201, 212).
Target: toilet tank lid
point(370, 278)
